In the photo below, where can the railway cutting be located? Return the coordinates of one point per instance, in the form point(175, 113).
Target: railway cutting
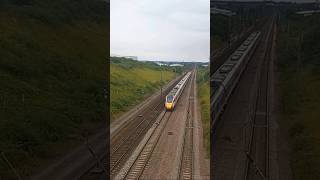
point(157, 140)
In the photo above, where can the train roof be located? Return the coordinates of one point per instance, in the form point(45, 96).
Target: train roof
point(235, 59)
point(177, 87)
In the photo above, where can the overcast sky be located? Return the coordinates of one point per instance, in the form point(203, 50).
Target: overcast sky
point(161, 29)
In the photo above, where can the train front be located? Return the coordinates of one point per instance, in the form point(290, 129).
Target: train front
point(169, 103)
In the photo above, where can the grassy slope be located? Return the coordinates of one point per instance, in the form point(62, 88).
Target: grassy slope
point(204, 100)
point(131, 81)
point(300, 94)
point(52, 74)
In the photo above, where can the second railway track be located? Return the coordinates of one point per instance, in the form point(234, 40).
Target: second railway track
point(139, 163)
point(124, 144)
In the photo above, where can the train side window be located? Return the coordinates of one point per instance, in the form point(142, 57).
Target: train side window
point(226, 68)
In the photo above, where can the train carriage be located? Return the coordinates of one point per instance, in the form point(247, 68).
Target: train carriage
point(173, 96)
point(226, 77)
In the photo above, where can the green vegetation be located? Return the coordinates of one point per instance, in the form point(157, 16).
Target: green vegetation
point(204, 100)
point(300, 87)
point(131, 81)
point(52, 75)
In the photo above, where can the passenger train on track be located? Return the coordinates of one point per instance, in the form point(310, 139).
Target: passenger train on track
point(227, 76)
point(173, 96)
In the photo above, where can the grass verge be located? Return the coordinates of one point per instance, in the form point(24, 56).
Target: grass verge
point(204, 101)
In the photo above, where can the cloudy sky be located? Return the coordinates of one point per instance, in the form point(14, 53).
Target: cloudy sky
point(161, 29)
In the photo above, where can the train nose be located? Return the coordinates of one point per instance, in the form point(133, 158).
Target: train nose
point(168, 106)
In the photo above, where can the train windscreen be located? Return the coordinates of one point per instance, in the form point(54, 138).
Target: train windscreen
point(169, 99)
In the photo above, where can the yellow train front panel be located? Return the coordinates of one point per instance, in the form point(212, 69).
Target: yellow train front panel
point(169, 106)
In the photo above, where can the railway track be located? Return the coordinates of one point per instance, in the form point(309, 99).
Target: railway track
point(137, 163)
point(186, 165)
point(123, 145)
point(124, 140)
point(130, 135)
point(257, 166)
point(241, 138)
point(136, 169)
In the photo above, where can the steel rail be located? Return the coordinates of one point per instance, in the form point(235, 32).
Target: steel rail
point(254, 110)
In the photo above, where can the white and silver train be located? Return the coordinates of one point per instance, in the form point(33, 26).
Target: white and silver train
point(173, 96)
point(226, 77)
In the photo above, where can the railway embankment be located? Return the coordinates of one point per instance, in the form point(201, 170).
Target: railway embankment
point(132, 81)
point(204, 102)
